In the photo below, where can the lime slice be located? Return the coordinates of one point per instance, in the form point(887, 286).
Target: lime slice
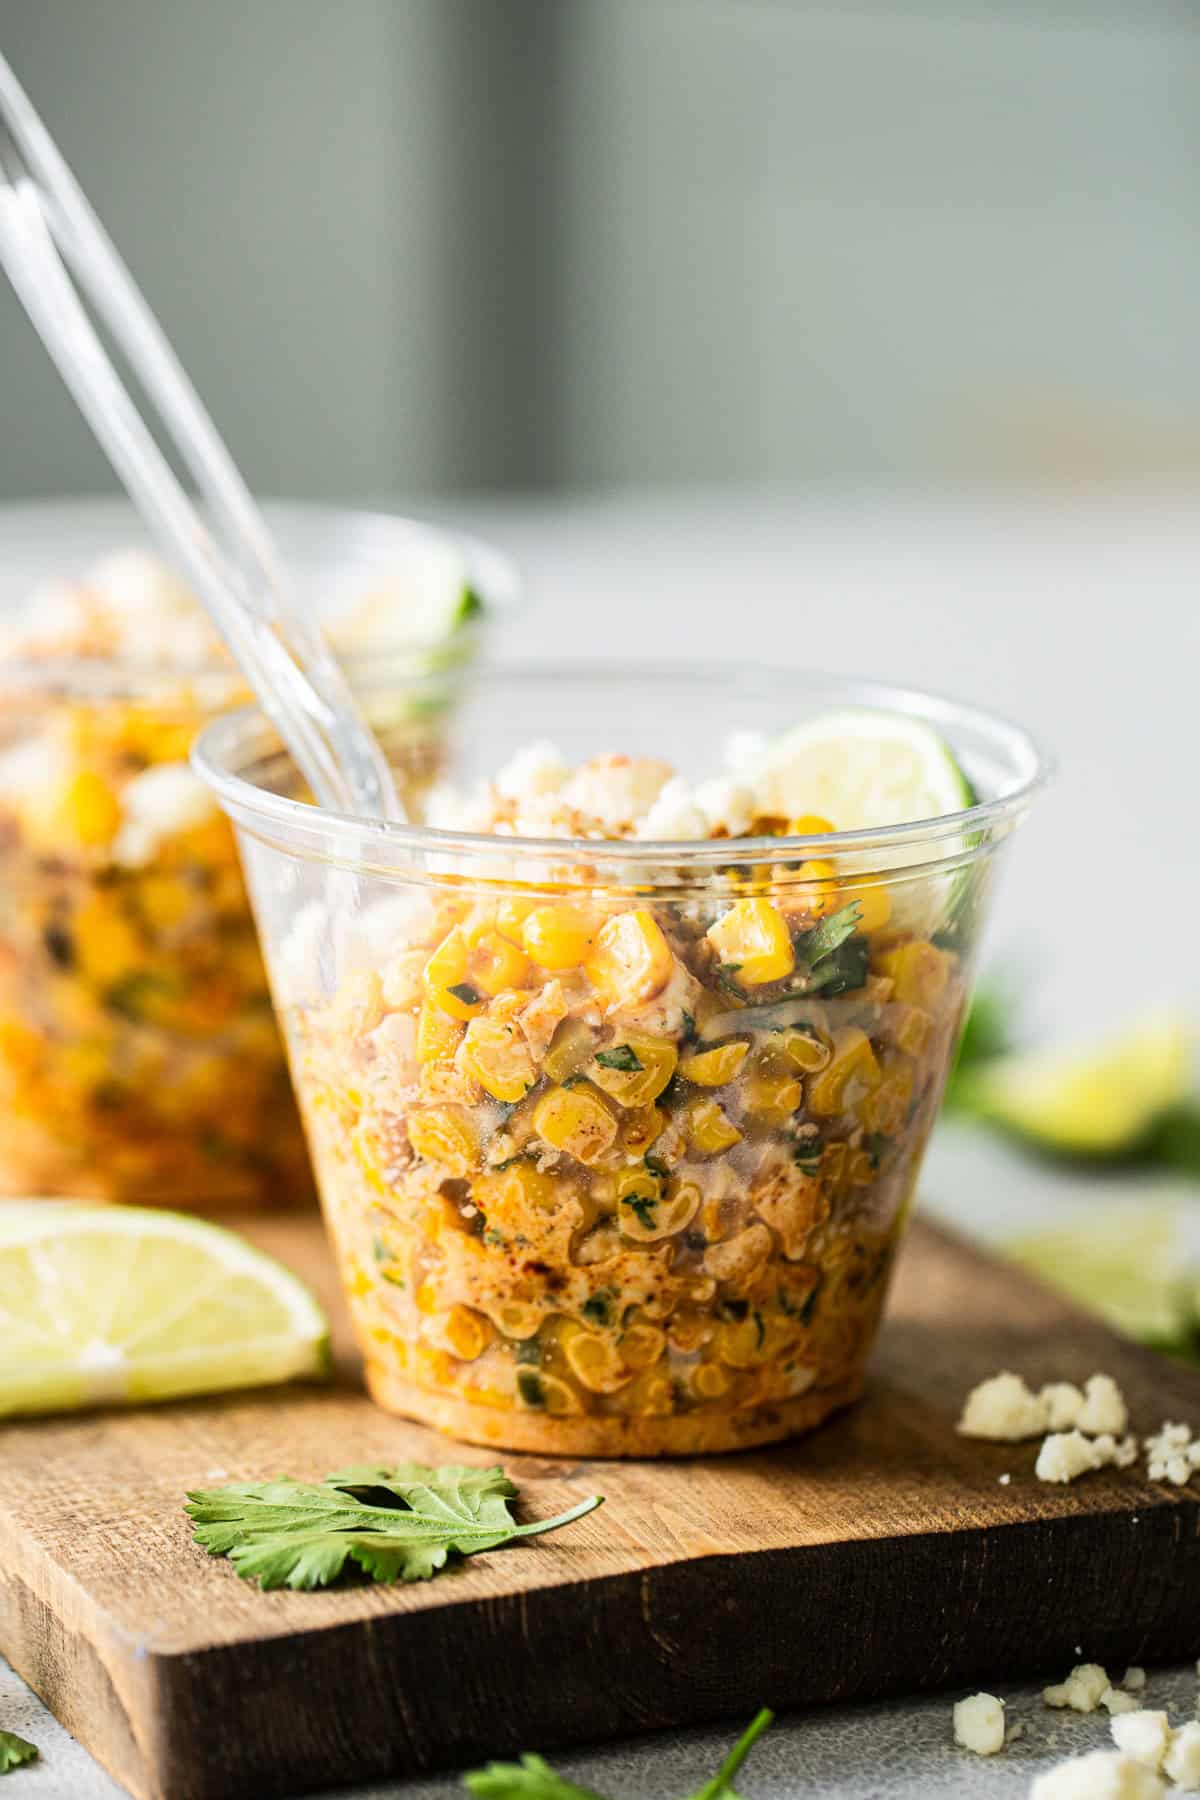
point(101, 1305)
point(1129, 1263)
point(860, 769)
point(1087, 1103)
point(421, 600)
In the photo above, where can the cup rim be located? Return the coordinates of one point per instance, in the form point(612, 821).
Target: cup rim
point(237, 738)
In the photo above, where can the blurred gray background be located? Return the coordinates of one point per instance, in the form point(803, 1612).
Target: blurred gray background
point(444, 246)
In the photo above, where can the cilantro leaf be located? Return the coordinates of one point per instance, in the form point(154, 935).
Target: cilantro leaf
point(530, 1779)
point(298, 1534)
point(621, 1056)
point(15, 1752)
point(828, 934)
point(462, 990)
point(722, 1781)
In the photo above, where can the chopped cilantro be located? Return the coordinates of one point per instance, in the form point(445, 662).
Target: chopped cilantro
point(15, 1752)
point(643, 1207)
point(529, 1386)
point(760, 1329)
point(689, 1024)
point(828, 934)
point(621, 1056)
point(656, 1165)
point(598, 1307)
point(845, 969)
point(527, 1350)
point(462, 990)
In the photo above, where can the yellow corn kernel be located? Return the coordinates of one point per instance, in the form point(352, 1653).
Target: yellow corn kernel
point(709, 1381)
point(646, 1213)
point(445, 1135)
point(651, 1395)
point(742, 1345)
point(713, 1068)
point(656, 1059)
point(914, 1031)
point(517, 1319)
point(874, 904)
point(819, 889)
point(438, 1035)
point(87, 811)
point(570, 1048)
point(447, 970)
point(546, 1393)
point(853, 1071)
point(165, 900)
point(773, 1097)
point(920, 972)
point(642, 1345)
point(495, 1054)
point(753, 938)
point(575, 1120)
point(631, 960)
point(709, 1130)
point(806, 1048)
point(494, 964)
point(886, 1109)
point(593, 1360)
point(106, 943)
point(510, 918)
point(861, 1170)
point(466, 1334)
point(810, 825)
point(641, 1128)
point(556, 937)
point(426, 1298)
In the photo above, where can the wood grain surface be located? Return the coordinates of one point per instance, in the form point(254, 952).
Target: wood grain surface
point(881, 1554)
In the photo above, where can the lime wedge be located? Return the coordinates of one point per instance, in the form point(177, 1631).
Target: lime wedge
point(1130, 1263)
point(860, 768)
point(104, 1305)
point(421, 600)
point(1087, 1103)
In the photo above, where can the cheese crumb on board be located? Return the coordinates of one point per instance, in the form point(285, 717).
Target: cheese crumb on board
point(1003, 1408)
point(1065, 1455)
point(1103, 1409)
point(1182, 1761)
point(1144, 1735)
point(1081, 1691)
point(979, 1724)
point(1100, 1775)
point(1172, 1454)
point(1134, 1678)
point(1115, 1700)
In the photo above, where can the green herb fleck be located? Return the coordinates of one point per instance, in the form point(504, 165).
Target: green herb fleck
point(807, 1158)
point(598, 1307)
point(644, 1208)
point(689, 1024)
point(621, 1056)
point(760, 1329)
point(382, 1250)
point(527, 1350)
point(297, 1534)
point(828, 934)
point(804, 1312)
point(656, 1165)
point(877, 1145)
point(462, 990)
point(15, 1752)
point(846, 968)
point(733, 1311)
point(529, 1386)
point(533, 1778)
point(130, 994)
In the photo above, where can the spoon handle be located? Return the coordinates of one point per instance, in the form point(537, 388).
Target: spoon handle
point(46, 224)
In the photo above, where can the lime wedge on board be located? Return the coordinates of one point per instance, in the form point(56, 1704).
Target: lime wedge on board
point(861, 768)
point(1098, 1103)
point(421, 600)
point(1130, 1263)
point(101, 1305)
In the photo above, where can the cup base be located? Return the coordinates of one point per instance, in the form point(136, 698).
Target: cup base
point(693, 1434)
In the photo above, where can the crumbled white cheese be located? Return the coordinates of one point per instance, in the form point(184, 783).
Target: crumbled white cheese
point(1182, 1761)
point(156, 804)
point(1134, 1678)
point(726, 805)
point(1063, 1402)
point(616, 790)
point(1015, 1730)
point(1104, 1408)
point(743, 751)
point(1100, 1775)
point(1113, 1700)
point(1082, 1689)
point(1004, 1480)
point(1144, 1735)
point(674, 814)
point(1004, 1409)
point(538, 768)
point(979, 1724)
point(1169, 1454)
point(1065, 1455)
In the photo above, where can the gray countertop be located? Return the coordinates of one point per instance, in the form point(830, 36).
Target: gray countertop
point(1079, 618)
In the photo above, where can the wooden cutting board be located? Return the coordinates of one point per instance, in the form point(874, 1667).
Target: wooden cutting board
point(880, 1555)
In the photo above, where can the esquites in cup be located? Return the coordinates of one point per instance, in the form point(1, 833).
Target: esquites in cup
point(617, 1083)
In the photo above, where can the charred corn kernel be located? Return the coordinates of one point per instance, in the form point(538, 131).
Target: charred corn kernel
point(646, 1213)
point(570, 1048)
point(466, 1334)
point(630, 960)
point(576, 1121)
point(594, 1361)
point(641, 1128)
point(709, 1381)
point(810, 825)
point(920, 972)
point(852, 1072)
point(713, 1068)
point(518, 1320)
point(874, 904)
point(106, 944)
point(753, 938)
point(438, 1035)
point(494, 964)
point(556, 937)
point(649, 1064)
point(773, 1098)
point(546, 1393)
point(87, 810)
point(819, 889)
point(914, 1031)
point(444, 1135)
point(808, 1050)
point(495, 1054)
point(709, 1130)
point(445, 971)
point(642, 1345)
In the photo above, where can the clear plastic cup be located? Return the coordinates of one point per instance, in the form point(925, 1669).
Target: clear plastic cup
point(140, 1059)
point(614, 1154)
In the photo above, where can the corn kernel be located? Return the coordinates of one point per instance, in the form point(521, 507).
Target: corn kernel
point(547, 1393)
point(874, 904)
point(709, 1130)
point(753, 938)
point(445, 971)
point(576, 1121)
point(438, 1035)
point(494, 964)
point(517, 1319)
point(646, 1213)
point(426, 1298)
point(642, 1345)
point(631, 960)
point(853, 1071)
point(466, 1334)
point(87, 810)
point(570, 1048)
point(636, 1086)
point(713, 1068)
point(106, 943)
point(709, 1381)
point(773, 1098)
point(819, 889)
point(920, 971)
point(810, 825)
point(594, 1361)
point(914, 1031)
point(641, 1128)
point(809, 1050)
point(556, 937)
point(511, 916)
point(495, 1054)
point(444, 1135)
